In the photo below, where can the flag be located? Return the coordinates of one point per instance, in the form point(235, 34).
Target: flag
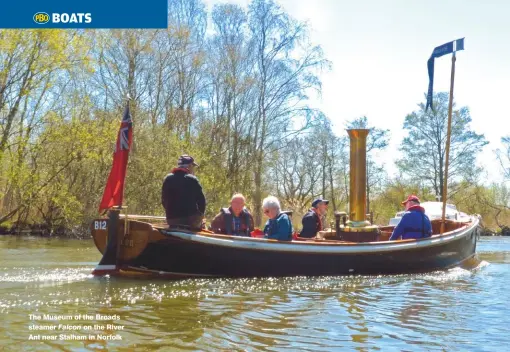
point(114, 190)
point(439, 51)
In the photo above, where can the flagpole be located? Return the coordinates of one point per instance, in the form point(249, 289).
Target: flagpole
point(109, 263)
point(120, 206)
point(448, 136)
point(128, 108)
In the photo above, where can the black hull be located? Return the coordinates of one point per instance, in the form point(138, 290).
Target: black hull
point(189, 258)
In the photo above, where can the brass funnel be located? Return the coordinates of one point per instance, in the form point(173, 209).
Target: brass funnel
point(358, 178)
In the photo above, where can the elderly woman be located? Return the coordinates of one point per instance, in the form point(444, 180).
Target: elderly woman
point(278, 227)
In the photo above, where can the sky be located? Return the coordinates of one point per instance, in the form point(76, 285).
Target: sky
point(379, 51)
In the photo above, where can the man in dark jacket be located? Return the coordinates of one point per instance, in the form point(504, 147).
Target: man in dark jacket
point(414, 222)
point(235, 220)
point(313, 220)
point(182, 195)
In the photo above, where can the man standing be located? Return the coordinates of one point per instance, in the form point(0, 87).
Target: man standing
point(182, 195)
point(235, 220)
point(414, 222)
point(313, 220)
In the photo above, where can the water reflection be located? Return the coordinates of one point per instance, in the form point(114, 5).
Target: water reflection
point(435, 311)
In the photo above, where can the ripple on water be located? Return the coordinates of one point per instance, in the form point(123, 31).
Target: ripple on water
point(445, 310)
point(32, 274)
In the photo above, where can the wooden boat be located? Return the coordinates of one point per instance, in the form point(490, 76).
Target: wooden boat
point(178, 253)
point(145, 245)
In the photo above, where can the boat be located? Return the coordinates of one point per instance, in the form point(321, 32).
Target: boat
point(145, 245)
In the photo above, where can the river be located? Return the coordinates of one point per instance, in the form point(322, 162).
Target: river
point(44, 279)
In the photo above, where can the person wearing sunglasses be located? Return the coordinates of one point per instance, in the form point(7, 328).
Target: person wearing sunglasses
point(278, 226)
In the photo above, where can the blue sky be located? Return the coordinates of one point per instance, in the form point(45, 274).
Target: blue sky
point(379, 52)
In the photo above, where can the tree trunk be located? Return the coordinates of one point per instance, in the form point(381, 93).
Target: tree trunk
point(331, 184)
point(257, 195)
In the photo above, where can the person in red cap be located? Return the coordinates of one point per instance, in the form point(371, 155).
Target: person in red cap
point(182, 195)
point(414, 223)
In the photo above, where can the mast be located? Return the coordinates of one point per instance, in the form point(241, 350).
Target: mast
point(448, 137)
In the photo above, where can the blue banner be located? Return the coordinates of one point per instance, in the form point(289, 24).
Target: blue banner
point(439, 51)
point(84, 14)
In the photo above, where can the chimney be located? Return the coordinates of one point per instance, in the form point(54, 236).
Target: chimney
point(358, 178)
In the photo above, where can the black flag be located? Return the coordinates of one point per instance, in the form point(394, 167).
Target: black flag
point(439, 51)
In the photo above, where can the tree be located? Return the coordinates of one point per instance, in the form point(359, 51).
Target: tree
point(297, 172)
point(123, 60)
point(424, 147)
point(387, 202)
point(188, 22)
point(286, 67)
point(504, 156)
point(36, 69)
point(231, 92)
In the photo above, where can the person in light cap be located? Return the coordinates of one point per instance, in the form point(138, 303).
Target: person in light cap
point(313, 221)
point(182, 195)
point(414, 223)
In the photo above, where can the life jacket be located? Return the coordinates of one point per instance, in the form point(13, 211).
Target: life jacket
point(228, 218)
point(414, 232)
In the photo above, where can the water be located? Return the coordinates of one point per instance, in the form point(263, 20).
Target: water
point(457, 310)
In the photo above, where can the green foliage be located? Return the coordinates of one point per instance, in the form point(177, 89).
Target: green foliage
point(388, 202)
point(424, 147)
point(235, 97)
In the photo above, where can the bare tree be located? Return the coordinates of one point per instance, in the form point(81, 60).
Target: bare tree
point(231, 93)
point(504, 156)
point(424, 147)
point(284, 75)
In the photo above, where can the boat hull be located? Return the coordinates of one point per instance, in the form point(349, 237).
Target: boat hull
point(193, 255)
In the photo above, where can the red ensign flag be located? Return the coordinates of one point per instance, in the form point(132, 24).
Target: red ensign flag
point(114, 190)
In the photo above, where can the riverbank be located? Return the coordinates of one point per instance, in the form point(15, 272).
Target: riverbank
point(42, 230)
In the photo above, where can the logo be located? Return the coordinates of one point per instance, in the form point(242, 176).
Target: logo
point(71, 18)
point(41, 18)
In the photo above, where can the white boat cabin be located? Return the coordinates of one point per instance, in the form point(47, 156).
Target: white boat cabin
point(434, 211)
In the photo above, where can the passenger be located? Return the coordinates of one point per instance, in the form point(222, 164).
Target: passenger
point(235, 220)
point(278, 227)
point(182, 195)
point(313, 221)
point(414, 223)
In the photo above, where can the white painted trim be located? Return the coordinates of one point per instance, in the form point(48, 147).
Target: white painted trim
point(106, 267)
point(318, 247)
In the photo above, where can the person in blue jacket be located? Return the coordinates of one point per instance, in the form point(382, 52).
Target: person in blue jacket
point(278, 227)
point(414, 223)
point(313, 221)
